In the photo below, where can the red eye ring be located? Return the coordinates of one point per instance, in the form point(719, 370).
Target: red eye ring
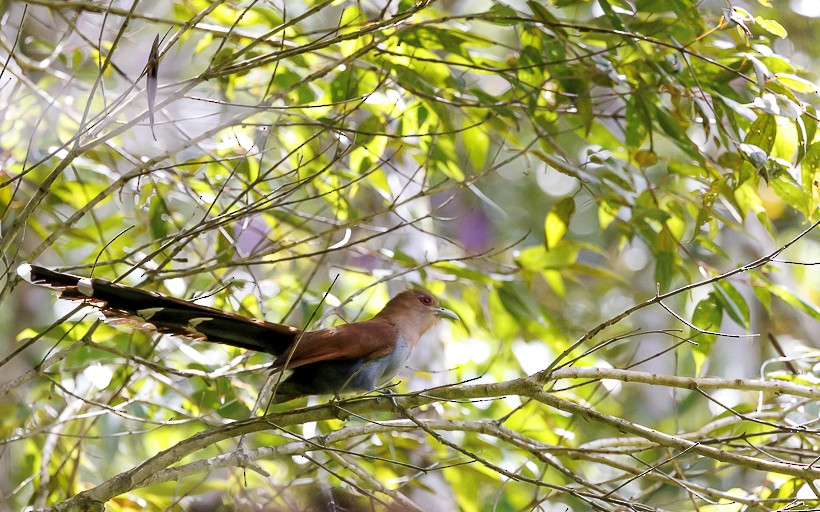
point(427, 301)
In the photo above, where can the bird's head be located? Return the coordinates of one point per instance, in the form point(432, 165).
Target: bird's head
point(415, 309)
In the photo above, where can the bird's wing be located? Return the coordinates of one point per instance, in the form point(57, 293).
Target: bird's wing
point(151, 310)
point(360, 340)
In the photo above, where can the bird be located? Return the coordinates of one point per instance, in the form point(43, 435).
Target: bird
point(353, 357)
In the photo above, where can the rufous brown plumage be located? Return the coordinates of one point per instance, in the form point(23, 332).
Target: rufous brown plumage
point(358, 356)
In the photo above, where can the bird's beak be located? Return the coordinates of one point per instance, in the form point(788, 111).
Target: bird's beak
point(446, 313)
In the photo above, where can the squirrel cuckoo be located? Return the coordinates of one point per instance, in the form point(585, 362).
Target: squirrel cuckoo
point(359, 356)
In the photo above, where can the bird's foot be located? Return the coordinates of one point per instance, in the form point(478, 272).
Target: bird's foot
point(338, 411)
point(386, 392)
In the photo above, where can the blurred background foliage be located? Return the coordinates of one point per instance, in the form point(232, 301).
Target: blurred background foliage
point(540, 166)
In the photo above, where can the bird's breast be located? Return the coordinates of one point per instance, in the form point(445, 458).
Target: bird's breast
point(374, 373)
point(393, 362)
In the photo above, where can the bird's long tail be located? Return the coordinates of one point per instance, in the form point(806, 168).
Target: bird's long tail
point(165, 314)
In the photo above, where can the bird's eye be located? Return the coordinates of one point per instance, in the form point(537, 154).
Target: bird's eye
point(427, 301)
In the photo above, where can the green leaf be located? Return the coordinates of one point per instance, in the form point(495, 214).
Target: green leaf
point(459, 269)
point(786, 142)
point(645, 158)
point(772, 27)
point(687, 13)
point(543, 14)
point(810, 177)
point(477, 144)
point(792, 299)
point(345, 86)
point(637, 121)
point(707, 316)
point(790, 191)
point(557, 221)
point(756, 156)
point(607, 213)
point(733, 303)
point(810, 121)
point(613, 18)
point(504, 12)
point(664, 269)
point(795, 83)
point(432, 38)
point(672, 128)
point(233, 409)
point(6, 193)
point(224, 56)
point(762, 72)
point(556, 282)
point(537, 258)
point(158, 214)
point(518, 302)
point(763, 296)
point(762, 132)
